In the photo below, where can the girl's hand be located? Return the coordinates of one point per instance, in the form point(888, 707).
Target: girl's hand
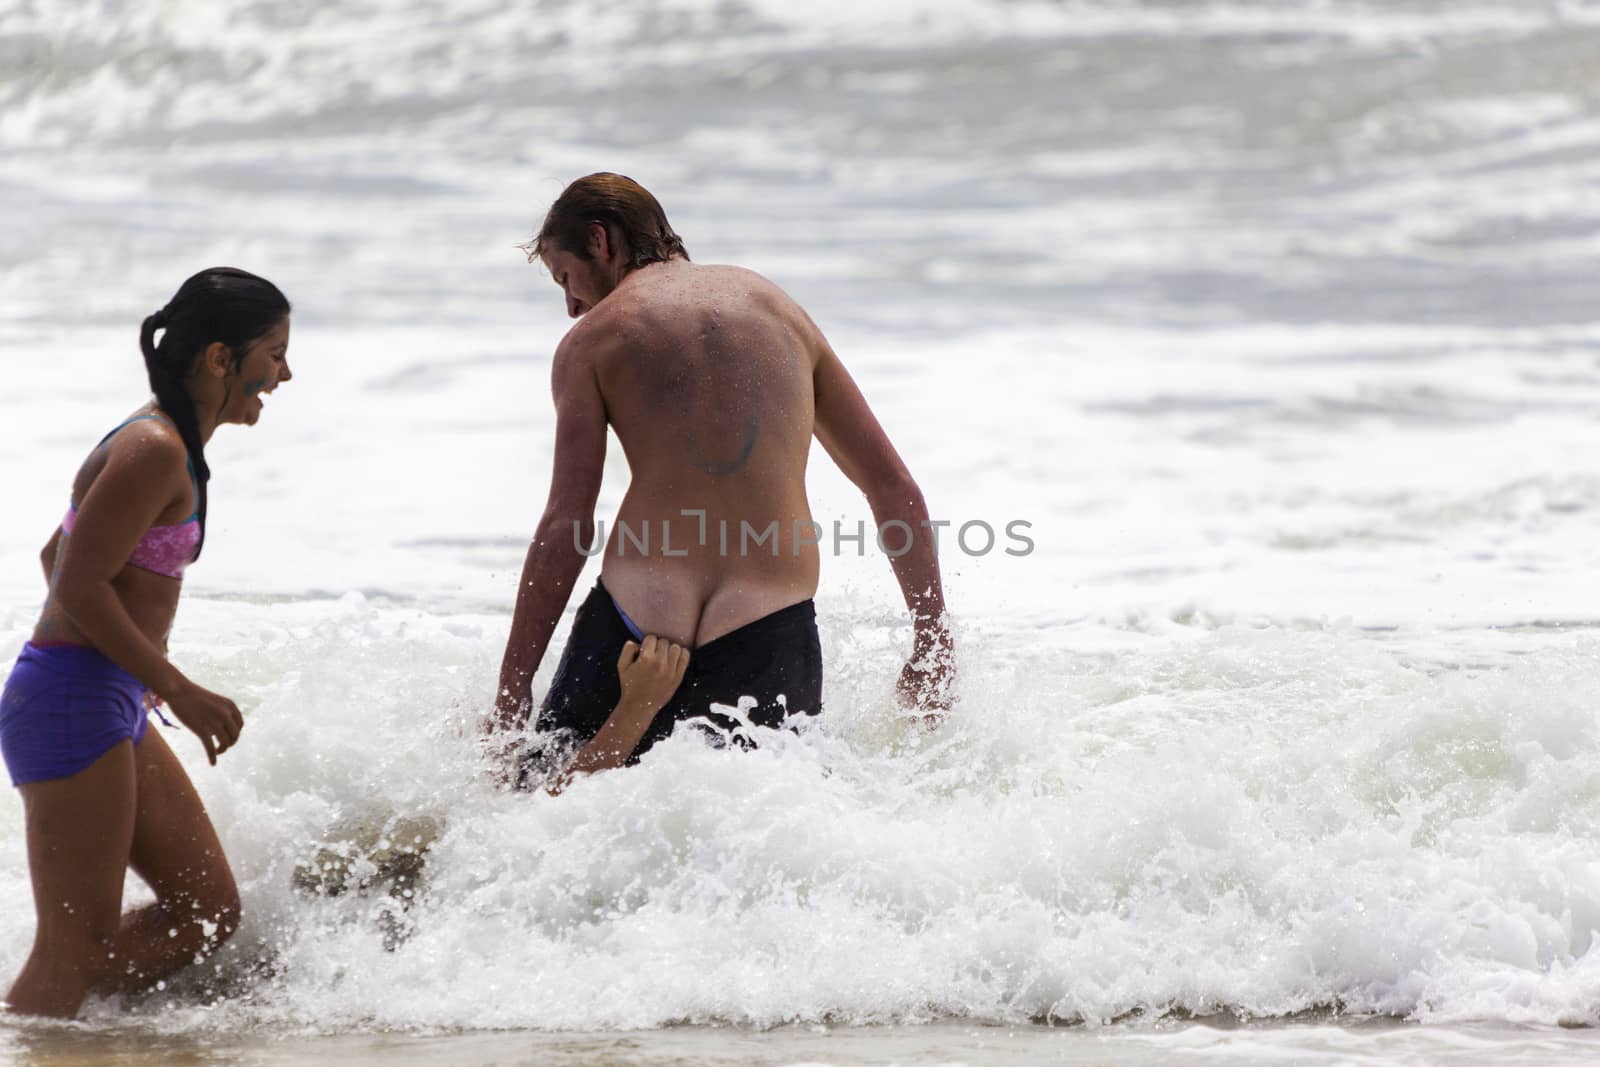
point(214, 718)
point(650, 674)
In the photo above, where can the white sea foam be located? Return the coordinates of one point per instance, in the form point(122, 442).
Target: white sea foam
point(1257, 819)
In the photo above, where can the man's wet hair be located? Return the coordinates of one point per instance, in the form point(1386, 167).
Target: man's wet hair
point(623, 206)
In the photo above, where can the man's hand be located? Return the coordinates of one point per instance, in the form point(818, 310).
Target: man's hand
point(511, 711)
point(650, 674)
point(928, 678)
point(501, 739)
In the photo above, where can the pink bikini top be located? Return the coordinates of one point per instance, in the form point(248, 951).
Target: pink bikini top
point(166, 550)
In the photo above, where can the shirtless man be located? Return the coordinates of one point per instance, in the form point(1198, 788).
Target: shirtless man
point(715, 382)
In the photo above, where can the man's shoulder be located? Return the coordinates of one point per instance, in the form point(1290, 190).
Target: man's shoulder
point(646, 313)
point(723, 275)
point(734, 270)
point(674, 281)
point(602, 326)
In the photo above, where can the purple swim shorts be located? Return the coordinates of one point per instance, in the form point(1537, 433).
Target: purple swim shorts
point(64, 707)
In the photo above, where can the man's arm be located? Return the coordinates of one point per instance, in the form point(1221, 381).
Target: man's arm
point(554, 562)
point(856, 442)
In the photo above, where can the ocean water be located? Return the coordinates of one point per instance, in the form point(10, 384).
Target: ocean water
point(1274, 321)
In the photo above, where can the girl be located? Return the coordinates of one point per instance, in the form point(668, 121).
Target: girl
point(100, 792)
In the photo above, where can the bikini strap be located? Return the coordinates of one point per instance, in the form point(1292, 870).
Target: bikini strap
point(194, 479)
point(129, 422)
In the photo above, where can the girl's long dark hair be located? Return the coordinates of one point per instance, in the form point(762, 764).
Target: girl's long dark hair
point(222, 304)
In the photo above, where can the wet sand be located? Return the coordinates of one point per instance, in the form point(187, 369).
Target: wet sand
point(1311, 1042)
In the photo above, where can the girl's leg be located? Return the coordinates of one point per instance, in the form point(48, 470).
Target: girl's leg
point(176, 851)
point(80, 830)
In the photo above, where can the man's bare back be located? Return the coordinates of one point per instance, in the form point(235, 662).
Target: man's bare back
point(706, 376)
point(715, 382)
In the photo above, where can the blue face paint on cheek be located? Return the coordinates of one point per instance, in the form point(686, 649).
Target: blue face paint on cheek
point(254, 388)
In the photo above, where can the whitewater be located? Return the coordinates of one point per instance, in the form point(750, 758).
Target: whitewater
point(1274, 322)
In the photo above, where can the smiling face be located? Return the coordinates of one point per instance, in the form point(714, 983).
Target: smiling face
point(261, 368)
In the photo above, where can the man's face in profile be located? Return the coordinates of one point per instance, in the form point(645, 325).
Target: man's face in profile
point(585, 281)
point(576, 277)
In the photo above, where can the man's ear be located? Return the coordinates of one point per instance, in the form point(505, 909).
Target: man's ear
point(216, 360)
point(599, 242)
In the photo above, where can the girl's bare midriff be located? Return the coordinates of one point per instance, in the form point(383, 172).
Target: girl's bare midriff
point(710, 394)
point(151, 601)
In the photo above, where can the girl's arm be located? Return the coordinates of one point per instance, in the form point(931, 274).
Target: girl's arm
point(650, 674)
point(144, 474)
